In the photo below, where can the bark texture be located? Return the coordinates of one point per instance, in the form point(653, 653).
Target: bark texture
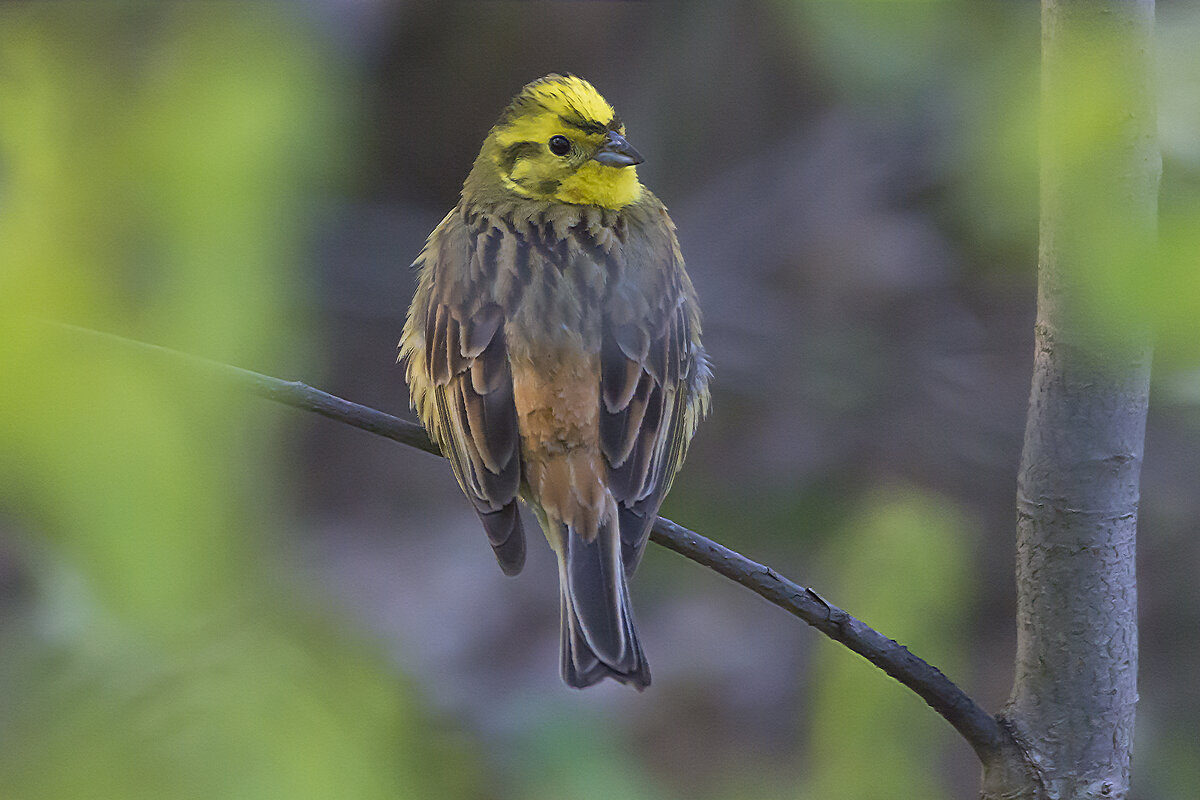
point(1075, 690)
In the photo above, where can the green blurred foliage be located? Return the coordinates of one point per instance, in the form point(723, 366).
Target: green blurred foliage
point(904, 563)
point(1127, 272)
point(581, 758)
point(152, 161)
point(871, 48)
point(968, 72)
point(1100, 177)
point(1136, 284)
point(977, 65)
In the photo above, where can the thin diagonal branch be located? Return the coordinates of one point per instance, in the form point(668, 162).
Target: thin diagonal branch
point(977, 726)
point(981, 730)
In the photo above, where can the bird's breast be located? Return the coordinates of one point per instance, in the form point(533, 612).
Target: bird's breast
point(557, 396)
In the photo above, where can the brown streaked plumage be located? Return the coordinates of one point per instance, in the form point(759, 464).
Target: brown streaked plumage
point(553, 351)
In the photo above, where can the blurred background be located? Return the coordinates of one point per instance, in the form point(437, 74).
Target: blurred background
point(206, 595)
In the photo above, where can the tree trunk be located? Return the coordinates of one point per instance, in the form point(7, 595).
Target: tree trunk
point(1075, 690)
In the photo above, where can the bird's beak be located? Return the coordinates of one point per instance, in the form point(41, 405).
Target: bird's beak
point(616, 152)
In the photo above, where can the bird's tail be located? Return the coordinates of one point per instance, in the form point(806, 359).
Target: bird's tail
point(599, 639)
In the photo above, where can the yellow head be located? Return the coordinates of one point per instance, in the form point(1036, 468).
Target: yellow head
point(559, 140)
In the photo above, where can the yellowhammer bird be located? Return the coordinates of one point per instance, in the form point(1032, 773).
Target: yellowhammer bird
point(553, 352)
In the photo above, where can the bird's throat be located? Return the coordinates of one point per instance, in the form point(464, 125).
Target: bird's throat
point(594, 184)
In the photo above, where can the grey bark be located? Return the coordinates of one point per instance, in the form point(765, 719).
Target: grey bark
point(1075, 688)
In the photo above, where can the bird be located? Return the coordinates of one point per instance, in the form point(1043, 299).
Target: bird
point(552, 351)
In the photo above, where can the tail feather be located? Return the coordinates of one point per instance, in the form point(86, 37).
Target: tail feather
point(599, 639)
point(506, 536)
point(635, 532)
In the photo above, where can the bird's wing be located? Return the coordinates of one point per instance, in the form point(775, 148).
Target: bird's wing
point(461, 382)
point(654, 382)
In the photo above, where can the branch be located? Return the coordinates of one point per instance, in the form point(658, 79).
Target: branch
point(1075, 694)
point(981, 730)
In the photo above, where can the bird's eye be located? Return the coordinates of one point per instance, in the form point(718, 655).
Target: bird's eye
point(559, 145)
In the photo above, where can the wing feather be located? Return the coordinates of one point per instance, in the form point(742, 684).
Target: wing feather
point(654, 382)
point(622, 375)
point(475, 406)
point(461, 383)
